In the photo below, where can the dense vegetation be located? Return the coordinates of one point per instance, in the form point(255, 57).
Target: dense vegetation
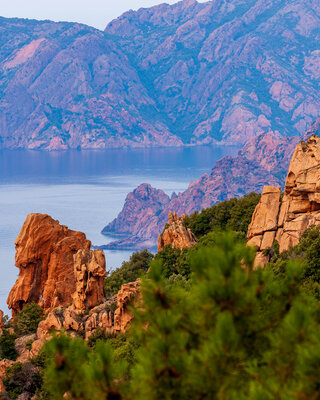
point(307, 252)
point(130, 271)
point(210, 327)
point(233, 333)
point(27, 321)
point(234, 215)
point(230, 215)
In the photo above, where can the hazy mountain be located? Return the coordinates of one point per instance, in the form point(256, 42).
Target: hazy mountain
point(222, 71)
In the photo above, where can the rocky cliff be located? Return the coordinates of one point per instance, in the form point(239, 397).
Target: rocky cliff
point(56, 267)
point(176, 234)
point(213, 72)
point(110, 317)
point(286, 220)
point(263, 160)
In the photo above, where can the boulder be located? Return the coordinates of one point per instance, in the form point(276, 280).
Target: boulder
point(176, 234)
point(23, 346)
point(300, 206)
point(51, 272)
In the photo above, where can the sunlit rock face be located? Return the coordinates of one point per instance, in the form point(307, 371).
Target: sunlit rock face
point(176, 234)
point(299, 209)
point(56, 267)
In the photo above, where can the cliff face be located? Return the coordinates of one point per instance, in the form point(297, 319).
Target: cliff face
point(112, 316)
point(263, 160)
point(66, 85)
point(300, 206)
point(56, 267)
point(184, 73)
point(216, 68)
point(176, 234)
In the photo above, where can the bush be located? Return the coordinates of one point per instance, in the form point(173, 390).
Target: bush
point(234, 214)
point(7, 345)
point(27, 321)
point(307, 252)
point(130, 271)
point(79, 372)
point(22, 378)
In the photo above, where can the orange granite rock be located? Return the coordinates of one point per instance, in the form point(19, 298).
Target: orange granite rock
point(176, 234)
point(45, 253)
point(113, 316)
point(122, 316)
point(300, 206)
point(90, 271)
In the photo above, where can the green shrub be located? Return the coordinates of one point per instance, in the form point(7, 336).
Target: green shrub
point(22, 378)
point(130, 271)
point(7, 345)
point(29, 344)
point(307, 252)
point(234, 214)
point(82, 373)
point(27, 321)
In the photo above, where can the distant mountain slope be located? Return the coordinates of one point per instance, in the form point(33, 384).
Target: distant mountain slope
point(67, 85)
point(226, 70)
point(217, 72)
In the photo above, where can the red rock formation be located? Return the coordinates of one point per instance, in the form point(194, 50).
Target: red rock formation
point(176, 234)
point(90, 271)
point(300, 206)
point(45, 253)
point(130, 292)
point(112, 316)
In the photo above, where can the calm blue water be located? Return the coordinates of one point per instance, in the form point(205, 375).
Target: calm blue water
point(85, 190)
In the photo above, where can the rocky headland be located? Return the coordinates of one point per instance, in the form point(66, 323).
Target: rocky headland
point(285, 219)
point(188, 73)
point(263, 160)
point(60, 273)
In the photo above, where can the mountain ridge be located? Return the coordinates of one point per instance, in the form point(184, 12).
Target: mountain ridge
point(170, 75)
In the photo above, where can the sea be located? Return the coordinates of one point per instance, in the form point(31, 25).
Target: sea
point(86, 189)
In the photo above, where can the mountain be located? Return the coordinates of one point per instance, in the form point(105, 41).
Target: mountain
point(223, 71)
point(65, 85)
